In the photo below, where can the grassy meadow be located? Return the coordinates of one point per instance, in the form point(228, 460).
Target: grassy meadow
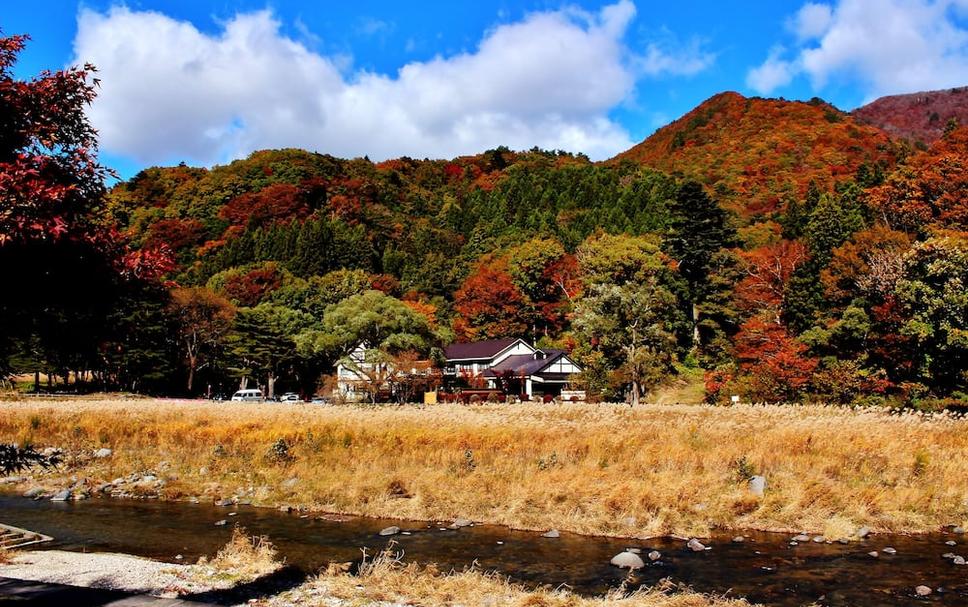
point(588, 468)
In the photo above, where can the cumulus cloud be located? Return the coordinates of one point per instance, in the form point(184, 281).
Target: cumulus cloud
point(887, 46)
point(811, 21)
point(771, 74)
point(170, 91)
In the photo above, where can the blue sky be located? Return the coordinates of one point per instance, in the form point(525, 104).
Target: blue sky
point(206, 81)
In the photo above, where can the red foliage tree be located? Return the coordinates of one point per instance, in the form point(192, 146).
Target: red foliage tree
point(279, 202)
point(931, 188)
point(767, 270)
point(251, 288)
point(774, 365)
point(178, 234)
point(489, 305)
point(50, 181)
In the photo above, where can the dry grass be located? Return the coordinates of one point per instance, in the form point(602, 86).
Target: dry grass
point(7, 556)
point(242, 558)
point(385, 579)
point(599, 469)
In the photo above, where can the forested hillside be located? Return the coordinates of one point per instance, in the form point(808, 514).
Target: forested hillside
point(759, 154)
point(780, 248)
point(920, 118)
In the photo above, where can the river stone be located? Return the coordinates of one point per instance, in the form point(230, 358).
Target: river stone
point(628, 560)
point(655, 555)
point(221, 523)
point(61, 496)
point(819, 539)
point(739, 539)
point(102, 453)
point(461, 523)
point(958, 560)
point(553, 533)
point(390, 531)
point(757, 485)
point(922, 590)
point(874, 554)
point(695, 545)
point(801, 538)
point(863, 532)
point(958, 530)
point(889, 550)
point(223, 502)
point(951, 543)
point(33, 492)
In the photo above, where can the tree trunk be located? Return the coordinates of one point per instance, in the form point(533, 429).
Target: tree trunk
point(271, 387)
point(191, 373)
point(635, 392)
point(695, 326)
point(36, 381)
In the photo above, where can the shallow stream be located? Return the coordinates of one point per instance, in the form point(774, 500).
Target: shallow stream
point(765, 568)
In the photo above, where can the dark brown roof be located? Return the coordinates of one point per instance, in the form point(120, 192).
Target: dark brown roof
point(477, 349)
point(525, 364)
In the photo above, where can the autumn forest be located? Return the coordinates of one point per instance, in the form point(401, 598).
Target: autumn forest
point(781, 251)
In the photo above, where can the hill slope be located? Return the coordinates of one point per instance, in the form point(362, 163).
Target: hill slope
point(756, 153)
point(916, 116)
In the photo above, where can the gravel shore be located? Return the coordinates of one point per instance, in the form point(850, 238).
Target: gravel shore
point(107, 570)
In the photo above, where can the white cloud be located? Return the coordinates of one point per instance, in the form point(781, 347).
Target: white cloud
point(772, 74)
point(683, 62)
point(811, 21)
point(170, 91)
point(885, 46)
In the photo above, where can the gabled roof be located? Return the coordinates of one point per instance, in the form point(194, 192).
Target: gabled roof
point(525, 364)
point(478, 349)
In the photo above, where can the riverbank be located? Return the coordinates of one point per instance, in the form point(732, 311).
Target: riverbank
point(595, 469)
point(381, 582)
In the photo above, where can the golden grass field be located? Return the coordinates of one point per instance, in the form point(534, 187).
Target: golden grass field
point(596, 469)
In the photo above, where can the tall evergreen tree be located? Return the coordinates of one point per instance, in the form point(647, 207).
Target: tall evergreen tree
point(699, 231)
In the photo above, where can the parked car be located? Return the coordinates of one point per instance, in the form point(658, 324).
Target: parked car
point(321, 400)
point(249, 396)
point(289, 397)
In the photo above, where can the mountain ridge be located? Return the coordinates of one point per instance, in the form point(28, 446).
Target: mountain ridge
point(756, 154)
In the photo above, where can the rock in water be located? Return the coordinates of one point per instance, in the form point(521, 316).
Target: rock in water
point(951, 543)
point(221, 523)
point(552, 533)
point(655, 555)
point(958, 530)
point(61, 496)
point(695, 545)
point(34, 492)
point(739, 539)
point(874, 554)
point(922, 590)
point(958, 560)
point(863, 532)
point(758, 485)
point(390, 531)
point(628, 560)
point(801, 538)
point(889, 550)
point(102, 453)
point(461, 523)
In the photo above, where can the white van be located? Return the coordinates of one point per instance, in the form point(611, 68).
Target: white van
point(248, 396)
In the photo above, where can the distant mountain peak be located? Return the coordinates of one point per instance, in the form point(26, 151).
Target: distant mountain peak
point(916, 117)
point(756, 154)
